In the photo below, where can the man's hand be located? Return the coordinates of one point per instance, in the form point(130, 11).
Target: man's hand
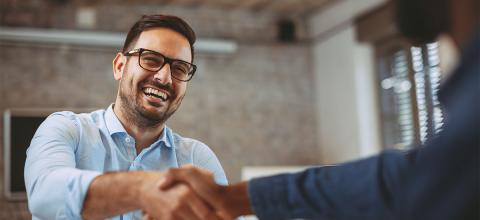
point(177, 202)
point(228, 201)
point(115, 193)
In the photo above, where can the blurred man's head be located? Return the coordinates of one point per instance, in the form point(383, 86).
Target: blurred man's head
point(422, 21)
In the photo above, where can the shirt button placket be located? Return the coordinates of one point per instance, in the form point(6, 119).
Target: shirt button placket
point(130, 149)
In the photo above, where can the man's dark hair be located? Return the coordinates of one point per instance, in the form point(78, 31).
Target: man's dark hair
point(422, 21)
point(159, 21)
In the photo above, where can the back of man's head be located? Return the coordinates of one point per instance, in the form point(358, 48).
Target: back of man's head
point(422, 21)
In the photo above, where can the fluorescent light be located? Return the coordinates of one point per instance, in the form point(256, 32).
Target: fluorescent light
point(215, 46)
point(96, 38)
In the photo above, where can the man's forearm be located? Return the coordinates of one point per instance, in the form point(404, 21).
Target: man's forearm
point(115, 193)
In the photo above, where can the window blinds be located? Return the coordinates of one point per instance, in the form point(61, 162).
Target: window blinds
point(413, 84)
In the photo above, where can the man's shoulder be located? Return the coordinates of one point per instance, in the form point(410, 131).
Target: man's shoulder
point(181, 141)
point(78, 119)
point(189, 146)
point(192, 151)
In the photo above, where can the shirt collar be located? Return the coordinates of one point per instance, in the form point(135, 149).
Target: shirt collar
point(166, 137)
point(114, 126)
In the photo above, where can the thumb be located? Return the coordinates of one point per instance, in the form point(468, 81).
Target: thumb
point(167, 180)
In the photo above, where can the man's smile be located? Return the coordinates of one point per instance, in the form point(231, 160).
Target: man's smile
point(156, 93)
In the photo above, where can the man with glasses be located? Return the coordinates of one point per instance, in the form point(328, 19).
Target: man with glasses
point(77, 164)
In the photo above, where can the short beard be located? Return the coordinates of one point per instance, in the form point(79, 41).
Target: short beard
point(422, 21)
point(135, 113)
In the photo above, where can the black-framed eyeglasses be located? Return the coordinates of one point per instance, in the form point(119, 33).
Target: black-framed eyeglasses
point(154, 61)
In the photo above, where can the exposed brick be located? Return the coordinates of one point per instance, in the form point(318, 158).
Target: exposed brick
point(253, 107)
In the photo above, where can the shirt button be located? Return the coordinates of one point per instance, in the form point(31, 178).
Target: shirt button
point(127, 140)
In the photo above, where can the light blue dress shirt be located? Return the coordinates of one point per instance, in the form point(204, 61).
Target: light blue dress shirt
point(69, 150)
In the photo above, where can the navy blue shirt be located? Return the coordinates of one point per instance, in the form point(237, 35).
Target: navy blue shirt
point(439, 180)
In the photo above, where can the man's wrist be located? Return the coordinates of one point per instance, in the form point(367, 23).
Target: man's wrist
point(127, 189)
point(147, 181)
point(237, 200)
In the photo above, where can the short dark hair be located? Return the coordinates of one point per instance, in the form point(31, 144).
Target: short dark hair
point(422, 21)
point(159, 21)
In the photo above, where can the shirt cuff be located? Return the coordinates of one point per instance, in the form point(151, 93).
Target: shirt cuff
point(268, 197)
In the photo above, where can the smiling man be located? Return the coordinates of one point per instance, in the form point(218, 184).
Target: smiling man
point(105, 164)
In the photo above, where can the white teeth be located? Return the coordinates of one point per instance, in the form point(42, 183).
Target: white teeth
point(156, 92)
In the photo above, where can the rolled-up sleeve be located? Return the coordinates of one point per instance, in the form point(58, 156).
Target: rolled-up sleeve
point(55, 188)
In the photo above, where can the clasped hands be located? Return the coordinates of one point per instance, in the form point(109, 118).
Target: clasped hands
point(190, 193)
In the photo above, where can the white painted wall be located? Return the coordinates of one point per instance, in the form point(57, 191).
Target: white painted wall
point(346, 98)
point(367, 103)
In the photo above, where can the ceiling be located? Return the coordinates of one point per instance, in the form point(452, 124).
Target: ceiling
point(281, 7)
point(275, 6)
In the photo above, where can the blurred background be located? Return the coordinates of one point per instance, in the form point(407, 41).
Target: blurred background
point(279, 82)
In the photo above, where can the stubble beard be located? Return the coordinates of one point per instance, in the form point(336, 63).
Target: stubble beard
point(134, 111)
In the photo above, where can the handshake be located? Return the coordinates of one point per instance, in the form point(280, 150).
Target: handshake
point(192, 193)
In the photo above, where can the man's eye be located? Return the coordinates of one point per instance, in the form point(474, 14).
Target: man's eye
point(153, 60)
point(181, 69)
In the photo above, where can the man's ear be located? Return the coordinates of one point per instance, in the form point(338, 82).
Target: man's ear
point(118, 66)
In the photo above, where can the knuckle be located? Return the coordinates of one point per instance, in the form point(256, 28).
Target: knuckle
point(184, 192)
point(176, 206)
point(189, 169)
point(169, 216)
point(171, 171)
point(207, 215)
point(209, 174)
point(182, 189)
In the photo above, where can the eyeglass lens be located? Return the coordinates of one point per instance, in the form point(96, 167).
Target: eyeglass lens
point(154, 62)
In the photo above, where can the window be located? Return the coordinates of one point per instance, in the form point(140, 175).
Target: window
point(409, 80)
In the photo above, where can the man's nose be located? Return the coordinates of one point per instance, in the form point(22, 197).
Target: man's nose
point(164, 75)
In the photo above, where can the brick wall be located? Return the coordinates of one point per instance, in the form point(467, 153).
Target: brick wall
point(252, 107)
